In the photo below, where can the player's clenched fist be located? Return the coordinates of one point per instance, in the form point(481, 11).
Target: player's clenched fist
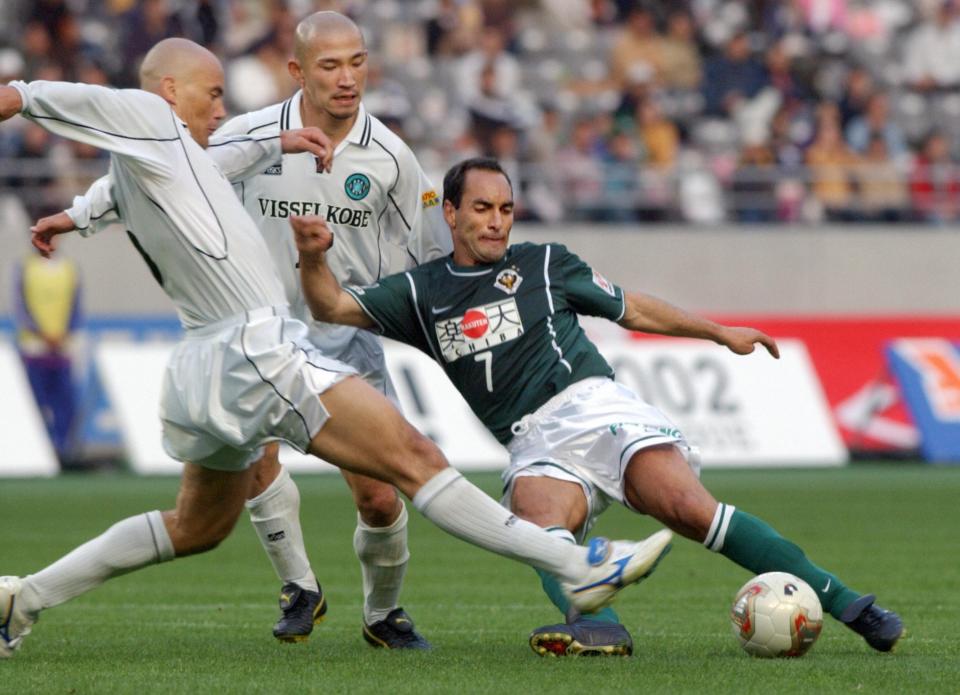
point(311, 234)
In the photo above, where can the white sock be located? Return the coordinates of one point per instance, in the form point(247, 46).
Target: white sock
point(383, 559)
point(126, 546)
point(275, 514)
point(463, 510)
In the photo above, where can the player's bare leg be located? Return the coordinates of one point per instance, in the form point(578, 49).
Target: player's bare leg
point(206, 510)
point(274, 507)
point(365, 434)
point(380, 542)
point(560, 507)
point(659, 482)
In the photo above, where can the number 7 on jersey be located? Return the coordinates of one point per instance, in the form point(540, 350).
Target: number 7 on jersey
point(487, 358)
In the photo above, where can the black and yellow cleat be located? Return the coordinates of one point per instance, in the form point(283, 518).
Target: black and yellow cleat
point(301, 609)
point(582, 638)
point(882, 629)
point(396, 631)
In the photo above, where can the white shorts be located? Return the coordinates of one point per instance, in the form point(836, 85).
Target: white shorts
point(235, 385)
point(586, 434)
point(361, 349)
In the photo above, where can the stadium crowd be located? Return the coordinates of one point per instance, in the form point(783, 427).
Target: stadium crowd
point(702, 111)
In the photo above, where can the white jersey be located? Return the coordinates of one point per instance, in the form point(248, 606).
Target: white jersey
point(174, 199)
point(384, 212)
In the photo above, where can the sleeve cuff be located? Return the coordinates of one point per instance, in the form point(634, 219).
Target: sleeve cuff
point(24, 90)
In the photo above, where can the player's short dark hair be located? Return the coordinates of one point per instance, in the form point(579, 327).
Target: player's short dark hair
point(457, 174)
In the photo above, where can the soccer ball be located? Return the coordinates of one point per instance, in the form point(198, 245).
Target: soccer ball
point(776, 614)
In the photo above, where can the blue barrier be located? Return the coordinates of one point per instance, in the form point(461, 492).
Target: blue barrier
point(97, 434)
point(928, 371)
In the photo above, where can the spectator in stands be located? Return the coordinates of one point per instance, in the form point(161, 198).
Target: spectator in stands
point(659, 135)
point(34, 179)
point(621, 176)
point(876, 122)
point(935, 182)
point(832, 167)
point(503, 79)
point(732, 77)
point(754, 184)
point(931, 54)
point(637, 49)
point(452, 29)
point(71, 49)
point(36, 45)
point(261, 76)
point(149, 22)
point(783, 74)
point(857, 90)
point(681, 68)
point(580, 172)
point(883, 190)
point(489, 107)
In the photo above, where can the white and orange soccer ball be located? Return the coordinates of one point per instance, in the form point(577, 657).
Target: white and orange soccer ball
point(776, 614)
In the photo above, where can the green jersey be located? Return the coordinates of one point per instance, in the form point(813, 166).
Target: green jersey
point(506, 334)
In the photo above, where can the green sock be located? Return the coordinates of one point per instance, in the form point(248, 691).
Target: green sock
point(756, 546)
point(551, 587)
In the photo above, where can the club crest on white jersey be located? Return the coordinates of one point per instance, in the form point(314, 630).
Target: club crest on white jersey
point(479, 328)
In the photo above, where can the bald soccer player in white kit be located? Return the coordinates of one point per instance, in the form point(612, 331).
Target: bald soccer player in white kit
point(387, 218)
point(244, 374)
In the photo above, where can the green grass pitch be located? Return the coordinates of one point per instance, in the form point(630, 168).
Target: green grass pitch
point(202, 625)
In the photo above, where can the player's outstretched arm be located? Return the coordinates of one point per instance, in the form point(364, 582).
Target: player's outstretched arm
point(243, 156)
point(326, 299)
point(46, 229)
point(649, 314)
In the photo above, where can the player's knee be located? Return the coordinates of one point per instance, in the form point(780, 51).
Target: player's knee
point(418, 456)
point(194, 536)
point(265, 470)
point(686, 510)
point(377, 504)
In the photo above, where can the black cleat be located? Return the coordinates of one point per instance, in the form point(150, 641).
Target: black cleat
point(301, 610)
point(879, 627)
point(582, 638)
point(396, 631)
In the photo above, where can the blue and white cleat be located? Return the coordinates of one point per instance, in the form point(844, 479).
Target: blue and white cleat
point(614, 565)
point(15, 623)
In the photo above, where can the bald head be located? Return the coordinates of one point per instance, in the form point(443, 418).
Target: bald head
point(190, 79)
point(174, 58)
point(319, 28)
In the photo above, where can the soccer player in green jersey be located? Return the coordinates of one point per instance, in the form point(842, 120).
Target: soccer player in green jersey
point(502, 322)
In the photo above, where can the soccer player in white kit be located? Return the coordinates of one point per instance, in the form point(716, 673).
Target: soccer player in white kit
point(244, 375)
point(387, 218)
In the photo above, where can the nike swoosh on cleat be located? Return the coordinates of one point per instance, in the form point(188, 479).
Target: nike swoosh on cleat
point(614, 578)
point(827, 587)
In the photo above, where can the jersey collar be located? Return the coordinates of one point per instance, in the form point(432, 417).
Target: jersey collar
point(359, 134)
point(470, 270)
point(361, 131)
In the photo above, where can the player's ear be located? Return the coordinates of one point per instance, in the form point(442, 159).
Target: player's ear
point(168, 90)
point(293, 67)
point(449, 214)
